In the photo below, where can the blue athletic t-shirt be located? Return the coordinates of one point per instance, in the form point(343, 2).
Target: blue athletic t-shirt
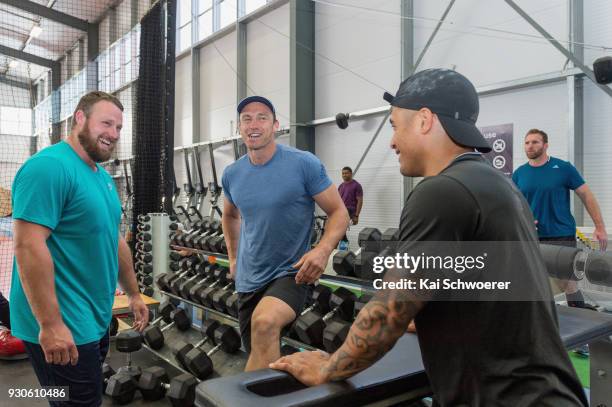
point(57, 189)
point(276, 204)
point(546, 188)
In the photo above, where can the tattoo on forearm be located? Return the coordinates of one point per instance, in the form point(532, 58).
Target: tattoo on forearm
point(377, 327)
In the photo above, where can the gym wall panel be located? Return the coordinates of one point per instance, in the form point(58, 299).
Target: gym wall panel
point(182, 103)
point(268, 63)
point(487, 56)
point(379, 173)
point(218, 88)
point(598, 149)
point(597, 28)
point(544, 107)
point(347, 40)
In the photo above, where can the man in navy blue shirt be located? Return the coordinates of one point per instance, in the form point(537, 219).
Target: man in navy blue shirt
point(270, 196)
point(546, 183)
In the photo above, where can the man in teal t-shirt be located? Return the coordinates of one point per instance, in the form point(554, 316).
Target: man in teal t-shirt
point(68, 253)
point(546, 183)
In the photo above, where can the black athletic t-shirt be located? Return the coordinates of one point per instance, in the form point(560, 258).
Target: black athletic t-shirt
point(485, 353)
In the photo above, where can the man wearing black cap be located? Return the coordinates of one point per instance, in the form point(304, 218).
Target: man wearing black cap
point(475, 353)
point(270, 196)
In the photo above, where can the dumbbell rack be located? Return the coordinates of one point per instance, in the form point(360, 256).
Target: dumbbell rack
point(157, 225)
point(144, 256)
point(230, 320)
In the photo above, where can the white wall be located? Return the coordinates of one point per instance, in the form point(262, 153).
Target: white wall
point(360, 41)
point(268, 60)
point(218, 88)
point(183, 125)
point(487, 56)
point(379, 173)
point(544, 107)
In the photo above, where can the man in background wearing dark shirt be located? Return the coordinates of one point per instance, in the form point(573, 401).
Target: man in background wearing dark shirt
point(351, 194)
point(475, 353)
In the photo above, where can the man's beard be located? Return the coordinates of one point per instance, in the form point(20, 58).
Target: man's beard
point(534, 155)
point(90, 145)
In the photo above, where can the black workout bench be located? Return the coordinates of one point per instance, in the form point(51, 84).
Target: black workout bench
point(399, 375)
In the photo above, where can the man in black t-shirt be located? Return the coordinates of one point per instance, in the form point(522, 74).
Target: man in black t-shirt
point(480, 352)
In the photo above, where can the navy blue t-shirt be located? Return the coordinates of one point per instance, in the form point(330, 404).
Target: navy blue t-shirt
point(276, 206)
point(546, 188)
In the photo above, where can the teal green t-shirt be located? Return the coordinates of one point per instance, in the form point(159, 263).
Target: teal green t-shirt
point(55, 188)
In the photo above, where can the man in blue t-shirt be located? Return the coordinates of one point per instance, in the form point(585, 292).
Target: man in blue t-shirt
point(270, 196)
point(546, 181)
point(69, 253)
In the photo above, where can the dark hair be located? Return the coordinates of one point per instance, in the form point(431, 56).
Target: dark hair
point(540, 132)
point(90, 99)
point(347, 169)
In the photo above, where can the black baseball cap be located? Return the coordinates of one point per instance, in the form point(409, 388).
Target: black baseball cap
point(251, 99)
point(449, 95)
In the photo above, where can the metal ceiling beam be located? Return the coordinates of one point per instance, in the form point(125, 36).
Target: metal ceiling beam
point(24, 56)
point(49, 13)
point(576, 61)
point(14, 83)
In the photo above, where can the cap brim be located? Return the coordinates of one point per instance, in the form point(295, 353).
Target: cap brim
point(464, 133)
point(388, 97)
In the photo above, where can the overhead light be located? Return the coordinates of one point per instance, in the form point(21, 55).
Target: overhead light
point(36, 31)
point(13, 63)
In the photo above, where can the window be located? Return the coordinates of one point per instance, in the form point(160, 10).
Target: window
point(252, 5)
point(229, 12)
point(184, 25)
point(205, 18)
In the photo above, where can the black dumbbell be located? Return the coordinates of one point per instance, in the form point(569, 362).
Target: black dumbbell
point(206, 295)
point(310, 326)
point(390, 235)
point(334, 334)
point(143, 236)
point(208, 277)
point(231, 304)
point(121, 387)
point(360, 303)
point(144, 227)
point(144, 257)
point(199, 362)
point(154, 385)
point(154, 335)
point(128, 341)
point(144, 247)
point(147, 290)
point(344, 263)
point(144, 218)
point(220, 296)
point(182, 348)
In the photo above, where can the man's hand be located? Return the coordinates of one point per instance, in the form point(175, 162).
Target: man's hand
point(355, 219)
point(601, 236)
point(57, 344)
point(307, 367)
point(140, 311)
point(311, 265)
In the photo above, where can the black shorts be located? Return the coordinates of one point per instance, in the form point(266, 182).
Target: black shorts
point(284, 288)
point(569, 241)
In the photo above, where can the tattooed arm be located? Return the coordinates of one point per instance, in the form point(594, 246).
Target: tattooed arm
point(376, 329)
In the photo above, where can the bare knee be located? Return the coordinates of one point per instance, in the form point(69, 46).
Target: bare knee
point(264, 326)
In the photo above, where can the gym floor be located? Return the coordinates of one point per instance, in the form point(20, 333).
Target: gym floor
point(19, 374)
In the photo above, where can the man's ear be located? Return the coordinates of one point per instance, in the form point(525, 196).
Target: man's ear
point(427, 119)
point(80, 117)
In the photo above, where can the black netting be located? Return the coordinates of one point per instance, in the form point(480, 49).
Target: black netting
point(48, 61)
